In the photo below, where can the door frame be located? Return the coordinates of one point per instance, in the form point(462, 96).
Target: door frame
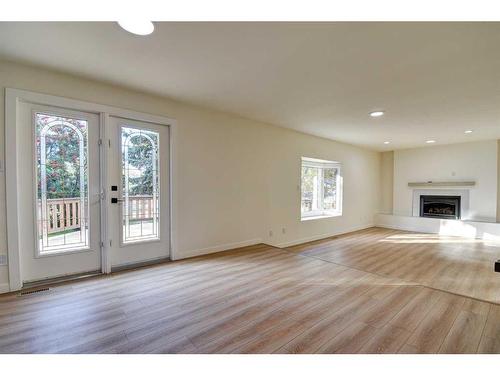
point(12, 98)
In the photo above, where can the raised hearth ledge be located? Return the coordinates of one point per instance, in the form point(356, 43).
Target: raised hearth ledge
point(461, 228)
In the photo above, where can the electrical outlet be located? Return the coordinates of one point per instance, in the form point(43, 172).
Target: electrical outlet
point(3, 260)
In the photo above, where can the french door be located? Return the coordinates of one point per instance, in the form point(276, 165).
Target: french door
point(67, 216)
point(138, 178)
point(87, 190)
point(59, 186)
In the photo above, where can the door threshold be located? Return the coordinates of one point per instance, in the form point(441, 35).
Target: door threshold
point(145, 263)
point(60, 279)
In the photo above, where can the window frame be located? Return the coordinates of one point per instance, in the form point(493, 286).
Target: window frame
point(322, 164)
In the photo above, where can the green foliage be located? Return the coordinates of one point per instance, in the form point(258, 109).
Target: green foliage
point(330, 181)
point(62, 162)
point(62, 157)
point(326, 178)
point(140, 161)
point(308, 177)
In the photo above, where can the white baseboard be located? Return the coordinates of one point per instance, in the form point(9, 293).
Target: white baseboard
point(4, 288)
point(215, 249)
point(322, 236)
point(176, 255)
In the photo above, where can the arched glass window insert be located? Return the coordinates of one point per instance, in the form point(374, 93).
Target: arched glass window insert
point(62, 183)
point(140, 185)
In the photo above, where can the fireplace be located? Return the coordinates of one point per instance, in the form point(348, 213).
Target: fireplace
point(440, 206)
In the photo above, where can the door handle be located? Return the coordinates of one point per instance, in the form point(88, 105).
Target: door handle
point(117, 200)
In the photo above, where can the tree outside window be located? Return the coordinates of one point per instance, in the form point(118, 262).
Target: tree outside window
point(320, 188)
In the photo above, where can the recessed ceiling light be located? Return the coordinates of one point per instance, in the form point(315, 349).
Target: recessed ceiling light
point(386, 142)
point(377, 113)
point(430, 141)
point(137, 27)
point(468, 131)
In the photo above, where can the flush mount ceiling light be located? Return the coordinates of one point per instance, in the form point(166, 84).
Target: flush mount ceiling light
point(386, 142)
point(468, 131)
point(430, 141)
point(377, 113)
point(137, 27)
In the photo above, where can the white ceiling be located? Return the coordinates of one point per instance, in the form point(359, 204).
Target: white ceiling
point(435, 80)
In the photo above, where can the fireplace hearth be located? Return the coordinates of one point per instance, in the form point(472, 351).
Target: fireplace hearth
point(440, 206)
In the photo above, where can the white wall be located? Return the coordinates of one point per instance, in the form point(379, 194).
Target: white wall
point(475, 161)
point(360, 173)
point(237, 178)
point(386, 182)
point(498, 181)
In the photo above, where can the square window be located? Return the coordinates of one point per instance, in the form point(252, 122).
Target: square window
point(321, 188)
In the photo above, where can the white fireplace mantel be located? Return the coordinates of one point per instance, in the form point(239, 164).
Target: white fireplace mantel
point(442, 184)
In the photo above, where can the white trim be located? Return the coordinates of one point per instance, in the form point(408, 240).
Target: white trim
point(4, 288)
point(173, 181)
point(218, 248)
point(11, 102)
point(321, 215)
point(104, 206)
point(319, 163)
point(79, 105)
point(322, 236)
point(322, 164)
point(12, 98)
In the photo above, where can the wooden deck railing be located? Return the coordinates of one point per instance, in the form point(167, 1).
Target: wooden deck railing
point(64, 214)
point(140, 207)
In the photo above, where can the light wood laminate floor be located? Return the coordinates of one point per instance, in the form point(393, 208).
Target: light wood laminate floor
point(458, 265)
point(262, 299)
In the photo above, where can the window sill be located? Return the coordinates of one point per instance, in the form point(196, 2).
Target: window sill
point(322, 216)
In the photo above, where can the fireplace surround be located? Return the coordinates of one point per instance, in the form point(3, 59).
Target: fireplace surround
point(440, 206)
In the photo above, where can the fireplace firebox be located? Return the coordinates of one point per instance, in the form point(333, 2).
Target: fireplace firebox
point(440, 206)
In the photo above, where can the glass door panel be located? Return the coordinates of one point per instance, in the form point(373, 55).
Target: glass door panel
point(140, 185)
point(62, 183)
